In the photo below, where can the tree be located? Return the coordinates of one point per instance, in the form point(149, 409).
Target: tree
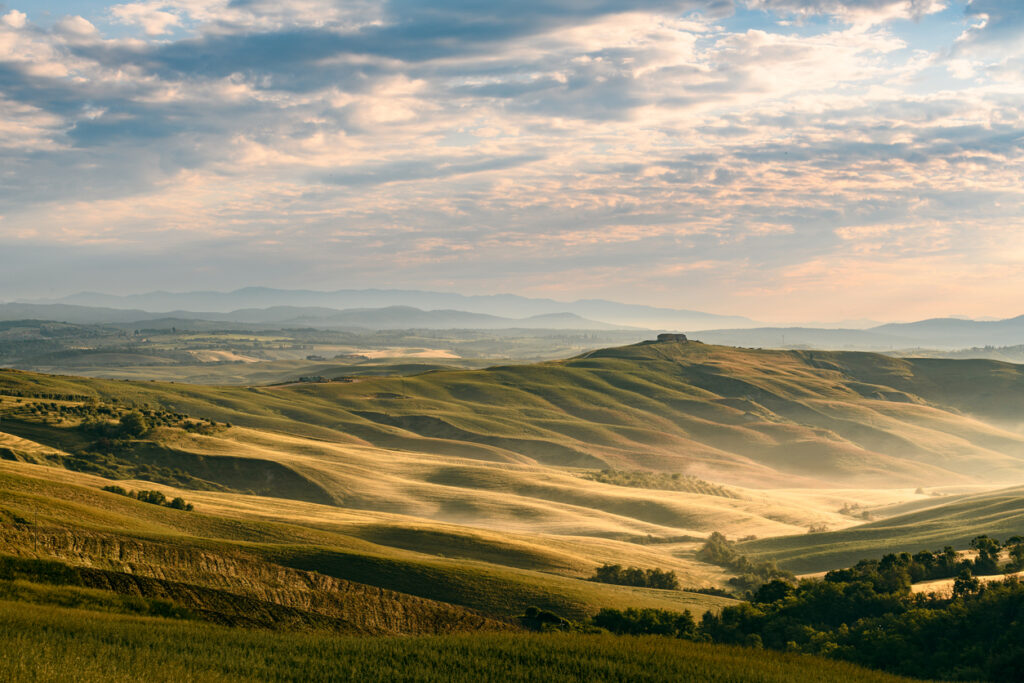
point(134, 424)
point(1015, 545)
point(774, 590)
point(180, 504)
point(987, 561)
point(119, 490)
point(966, 584)
point(947, 563)
point(154, 497)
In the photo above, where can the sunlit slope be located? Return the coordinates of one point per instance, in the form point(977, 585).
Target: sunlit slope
point(991, 390)
point(468, 487)
point(264, 549)
point(750, 417)
point(952, 522)
point(503, 496)
point(746, 416)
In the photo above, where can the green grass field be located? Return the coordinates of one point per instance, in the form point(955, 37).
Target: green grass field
point(46, 643)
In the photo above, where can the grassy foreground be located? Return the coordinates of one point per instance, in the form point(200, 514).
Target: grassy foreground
point(43, 643)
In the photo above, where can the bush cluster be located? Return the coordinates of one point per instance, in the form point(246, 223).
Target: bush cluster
point(664, 481)
point(927, 565)
point(151, 497)
point(635, 576)
point(111, 421)
point(537, 619)
point(647, 621)
point(717, 549)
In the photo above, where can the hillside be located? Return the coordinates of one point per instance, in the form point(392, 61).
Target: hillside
point(952, 521)
point(740, 416)
point(450, 501)
point(957, 333)
point(788, 440)
point(245, 353)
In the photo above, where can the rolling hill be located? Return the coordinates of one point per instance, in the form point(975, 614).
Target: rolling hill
point(451, 500)
point(738, 416)
point(958, 333)
point(504, 448)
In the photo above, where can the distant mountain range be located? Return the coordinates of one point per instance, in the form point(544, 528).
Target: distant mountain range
point(935, 333)
point(391, 317)
point(378, 309)
point(500, 305)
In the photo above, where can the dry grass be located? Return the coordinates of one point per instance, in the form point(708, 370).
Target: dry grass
point(476, 473)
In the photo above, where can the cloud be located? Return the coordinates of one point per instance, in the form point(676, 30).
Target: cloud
point(994, 22)
point(153, 17)
point(863, 12)
point(468, 144)
point(424, 169)
point(75, 28)
point(15, 19)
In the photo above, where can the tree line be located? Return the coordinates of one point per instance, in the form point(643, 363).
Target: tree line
point(866, 614)
point(635, 576)
point(151, 497)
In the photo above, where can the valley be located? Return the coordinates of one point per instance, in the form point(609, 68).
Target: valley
point(453, 499)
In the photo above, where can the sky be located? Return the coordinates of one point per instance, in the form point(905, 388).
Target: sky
point(779, 159)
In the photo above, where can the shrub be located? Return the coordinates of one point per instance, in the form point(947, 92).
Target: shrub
point(751, 575)
point(154, 497)
point(537, 619)
point(635, 576)
point(133, 424)
point(647, 622)
point(119, 490)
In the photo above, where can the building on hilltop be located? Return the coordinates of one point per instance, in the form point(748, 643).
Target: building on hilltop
point(671, 337)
